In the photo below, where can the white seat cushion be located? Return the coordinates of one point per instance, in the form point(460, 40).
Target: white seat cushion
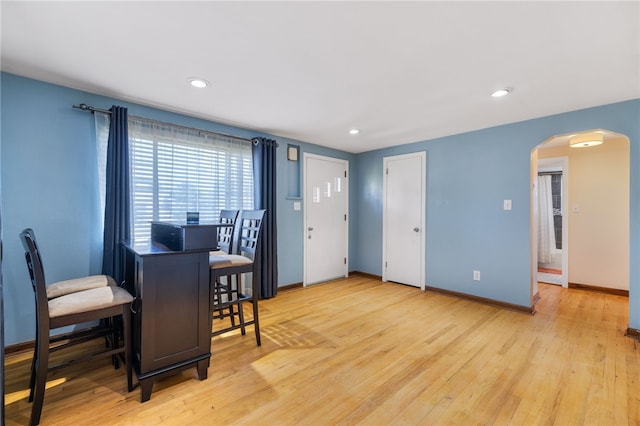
point(228, 260)
point(88, 300)
point(218, 253)
point(61, 288)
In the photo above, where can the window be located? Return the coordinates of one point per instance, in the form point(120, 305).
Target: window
point(175, 169)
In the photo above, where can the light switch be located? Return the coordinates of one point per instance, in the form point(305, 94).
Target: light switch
point(507, 205)
point(296, 205)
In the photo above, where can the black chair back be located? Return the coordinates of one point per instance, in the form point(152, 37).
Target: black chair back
point(36, 273)
point(226, 234)
point(250, 227)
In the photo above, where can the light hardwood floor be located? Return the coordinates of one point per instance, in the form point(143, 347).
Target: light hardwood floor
point(359, 351)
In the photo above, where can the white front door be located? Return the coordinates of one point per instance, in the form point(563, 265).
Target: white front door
point(326, 217)
point(403, 238)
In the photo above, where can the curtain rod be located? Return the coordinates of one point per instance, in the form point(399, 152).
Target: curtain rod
point(85, 107)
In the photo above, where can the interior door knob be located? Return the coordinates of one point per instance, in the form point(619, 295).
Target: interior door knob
point(310, 228)
point(416, 229)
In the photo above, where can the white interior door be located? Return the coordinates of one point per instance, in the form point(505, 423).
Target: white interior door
point(325, 218)
point(403, 239)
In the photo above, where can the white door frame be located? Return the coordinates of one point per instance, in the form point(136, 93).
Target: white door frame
point(306, 202)
point(423, 195)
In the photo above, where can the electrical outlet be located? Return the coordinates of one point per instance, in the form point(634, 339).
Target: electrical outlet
point(476, 275)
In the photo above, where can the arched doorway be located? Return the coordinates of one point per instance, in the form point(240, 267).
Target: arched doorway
point(595, 214)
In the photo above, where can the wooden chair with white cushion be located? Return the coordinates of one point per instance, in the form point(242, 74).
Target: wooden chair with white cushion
point(73, 302)
point(226, 236)
point(247, 248)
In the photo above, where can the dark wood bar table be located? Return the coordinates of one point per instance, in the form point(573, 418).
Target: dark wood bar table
point(171, 318)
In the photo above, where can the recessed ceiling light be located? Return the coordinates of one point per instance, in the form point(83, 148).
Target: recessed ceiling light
point(354, 131)
point(500, 93)
point(198, 82)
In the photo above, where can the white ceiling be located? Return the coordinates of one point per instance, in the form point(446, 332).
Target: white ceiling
point(398, 71)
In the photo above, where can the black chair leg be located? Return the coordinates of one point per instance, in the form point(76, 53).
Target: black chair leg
point(254, 302)
point(232, 314)
point(243, 329)
point(42, 367)
point(256, 323)
point(34, 360)
point(218, 296)
point(128, 345)
point(115, 325)
point(238, 291)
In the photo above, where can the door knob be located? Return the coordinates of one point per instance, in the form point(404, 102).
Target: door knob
point(310, 228)
point(416, 229)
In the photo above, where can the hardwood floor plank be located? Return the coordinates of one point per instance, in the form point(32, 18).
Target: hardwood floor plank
point(361, 352)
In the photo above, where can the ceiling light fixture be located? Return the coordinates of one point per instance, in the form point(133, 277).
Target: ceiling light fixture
point(583, 141)
point(198, 82)
point(354, 131)
point(500, 93)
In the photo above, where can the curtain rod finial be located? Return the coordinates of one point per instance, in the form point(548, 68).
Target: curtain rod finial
point(85, 107)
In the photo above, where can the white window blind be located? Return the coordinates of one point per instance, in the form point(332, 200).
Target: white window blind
point(176, 169)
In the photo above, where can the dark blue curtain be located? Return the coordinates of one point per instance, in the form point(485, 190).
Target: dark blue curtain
point(264, 183)
point(117, 203)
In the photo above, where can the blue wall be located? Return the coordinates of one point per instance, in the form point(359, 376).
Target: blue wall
point(468, 177)
point(49, 182)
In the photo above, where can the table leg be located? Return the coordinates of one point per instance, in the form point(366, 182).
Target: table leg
point(145, 389)
point(202, 369)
